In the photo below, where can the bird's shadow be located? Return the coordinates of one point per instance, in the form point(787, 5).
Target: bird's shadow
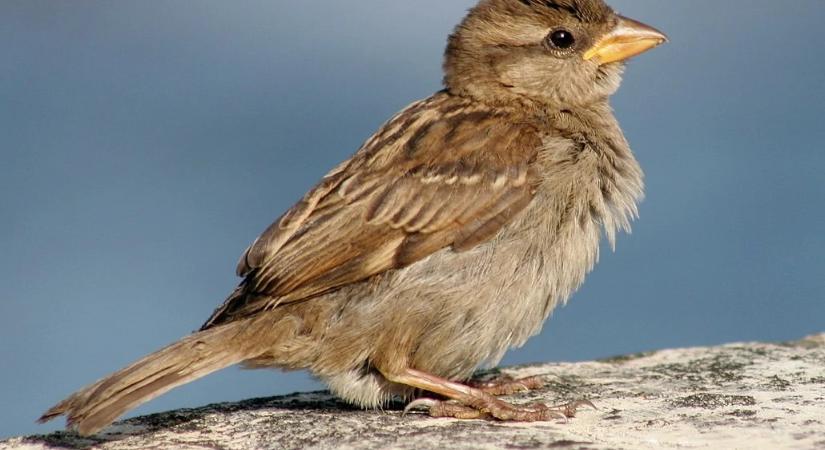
point(319, 402)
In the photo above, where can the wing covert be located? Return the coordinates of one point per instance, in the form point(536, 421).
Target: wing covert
point(424, 182)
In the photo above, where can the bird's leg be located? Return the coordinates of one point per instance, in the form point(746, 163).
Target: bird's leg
point(467, 402)
point(507, 385)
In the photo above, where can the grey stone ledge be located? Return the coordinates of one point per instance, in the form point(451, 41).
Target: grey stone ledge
point(748, 395)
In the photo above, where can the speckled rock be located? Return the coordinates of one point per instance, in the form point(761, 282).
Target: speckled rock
point(747, 396)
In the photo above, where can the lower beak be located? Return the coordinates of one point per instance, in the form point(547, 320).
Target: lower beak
point(629, 38)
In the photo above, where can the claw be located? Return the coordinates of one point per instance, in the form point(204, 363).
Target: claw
point(424, 403)
point(586, 403)
point(569, 409)
point(547, 412)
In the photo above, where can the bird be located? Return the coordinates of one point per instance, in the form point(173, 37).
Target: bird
point(447, 239)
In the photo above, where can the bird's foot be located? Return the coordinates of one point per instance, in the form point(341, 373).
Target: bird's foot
point(466, 402)
point(507, 385)
point(496, 409)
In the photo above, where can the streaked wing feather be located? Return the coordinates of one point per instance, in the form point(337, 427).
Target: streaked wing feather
point(450, 180)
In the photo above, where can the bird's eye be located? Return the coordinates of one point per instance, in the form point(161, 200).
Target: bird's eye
point(562, 39)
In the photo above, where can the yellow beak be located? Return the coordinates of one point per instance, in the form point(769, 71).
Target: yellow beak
point(629, 38)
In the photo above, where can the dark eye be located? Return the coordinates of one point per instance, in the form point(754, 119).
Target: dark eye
point(562, 39)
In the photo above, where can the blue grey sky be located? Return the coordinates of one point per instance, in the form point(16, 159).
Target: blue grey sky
point(144, 144)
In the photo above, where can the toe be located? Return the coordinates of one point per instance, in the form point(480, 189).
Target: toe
point(439, 408)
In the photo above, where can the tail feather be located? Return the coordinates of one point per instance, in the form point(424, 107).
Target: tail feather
point(96, 406)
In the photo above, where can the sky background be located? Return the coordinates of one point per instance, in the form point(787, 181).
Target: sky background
point(144, 145)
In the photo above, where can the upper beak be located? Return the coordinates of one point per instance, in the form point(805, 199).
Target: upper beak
point(629, 38)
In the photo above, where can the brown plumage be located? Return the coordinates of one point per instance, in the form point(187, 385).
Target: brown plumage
point(447, 238)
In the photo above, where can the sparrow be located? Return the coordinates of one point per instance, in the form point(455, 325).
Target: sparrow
point(445, 240)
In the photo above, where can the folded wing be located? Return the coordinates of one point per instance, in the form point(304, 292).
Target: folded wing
point(440, 174)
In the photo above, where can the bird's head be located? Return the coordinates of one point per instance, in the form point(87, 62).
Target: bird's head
point(557, 53)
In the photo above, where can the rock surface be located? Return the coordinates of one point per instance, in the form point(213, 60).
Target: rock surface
point(749, 395)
